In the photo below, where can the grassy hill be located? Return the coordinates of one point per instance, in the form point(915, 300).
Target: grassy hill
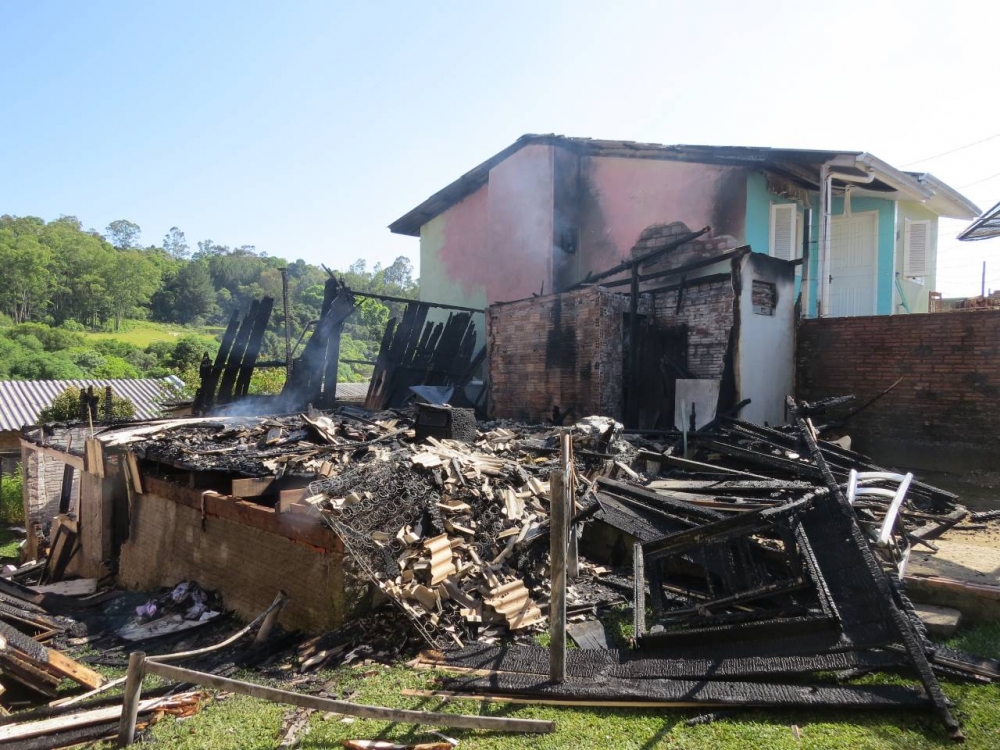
point(142, 333)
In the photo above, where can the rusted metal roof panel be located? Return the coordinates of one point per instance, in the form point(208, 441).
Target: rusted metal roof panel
point(22, 400)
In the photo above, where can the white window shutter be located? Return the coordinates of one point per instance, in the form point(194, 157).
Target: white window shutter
point(783, 234)
point(916, 248)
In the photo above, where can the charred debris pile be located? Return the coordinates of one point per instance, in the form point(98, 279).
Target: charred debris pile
point(755, 566)
point(754, 561)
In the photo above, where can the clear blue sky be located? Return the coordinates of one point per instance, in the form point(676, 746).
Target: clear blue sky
point(304, 127)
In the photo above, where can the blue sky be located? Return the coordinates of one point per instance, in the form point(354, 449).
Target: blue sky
point(305, 128)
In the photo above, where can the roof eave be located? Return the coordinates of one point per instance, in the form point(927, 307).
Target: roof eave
point(947, 201)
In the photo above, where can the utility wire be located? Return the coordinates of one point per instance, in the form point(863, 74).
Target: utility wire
point(953, 151)
point(970, 184)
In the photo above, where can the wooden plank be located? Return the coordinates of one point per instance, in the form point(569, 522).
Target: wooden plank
point(250, 486)
point(67, 458)
point(11, 732)
point(540, 701)
point(253, 347)
point(229, 374)
point(134, 473)
point(23, 672)
point(73, 669)
point(348, 708)
point(63, 546)
point(79, 587)
point(66, 491)
point(94, 452)
point(39, 656)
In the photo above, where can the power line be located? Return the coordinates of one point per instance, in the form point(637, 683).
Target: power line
point(970, 184)
point(954, 150)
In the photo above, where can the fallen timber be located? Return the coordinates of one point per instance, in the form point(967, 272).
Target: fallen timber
point(757, 571)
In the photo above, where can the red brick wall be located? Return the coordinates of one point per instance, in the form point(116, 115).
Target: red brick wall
point(950, 397)
point(561, 350)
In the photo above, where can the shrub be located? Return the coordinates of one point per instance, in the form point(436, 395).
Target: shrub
point(11, 502)
point(66, 407)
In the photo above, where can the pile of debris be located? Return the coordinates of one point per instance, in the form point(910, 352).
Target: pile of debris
point(762, 553)
point(304, 445)
point(757, 560)
point(450, 531)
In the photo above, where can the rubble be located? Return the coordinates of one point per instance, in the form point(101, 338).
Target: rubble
point(756, 560)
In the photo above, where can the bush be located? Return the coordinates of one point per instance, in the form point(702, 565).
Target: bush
point(45, 366)
point(11, 501)
point(66, 407)
point(51, 339)
point(116, 367)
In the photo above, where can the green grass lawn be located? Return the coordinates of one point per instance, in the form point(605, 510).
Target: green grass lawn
point(9, 544)
point(142, 333)
point(240, 723)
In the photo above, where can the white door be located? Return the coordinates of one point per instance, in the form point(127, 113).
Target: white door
point(853, 260)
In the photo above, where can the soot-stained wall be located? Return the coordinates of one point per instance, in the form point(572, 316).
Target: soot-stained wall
point(620, 197)
point(548, 216)
point(562, 350)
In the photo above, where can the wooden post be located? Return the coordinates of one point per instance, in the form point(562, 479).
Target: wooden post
point(271, 618)
point(560, 484)
point(639, 595)
point(288, 330)
point(632, 406)
point(573, 559)
point(133, 691)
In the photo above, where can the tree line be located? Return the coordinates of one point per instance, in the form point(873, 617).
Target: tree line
point(58, 276)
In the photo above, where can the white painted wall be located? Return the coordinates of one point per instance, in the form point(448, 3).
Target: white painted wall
point(766, 361)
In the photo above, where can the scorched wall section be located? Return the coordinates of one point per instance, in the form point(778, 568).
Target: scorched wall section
point(170, 542)
point(707, 307)
point(560, 351)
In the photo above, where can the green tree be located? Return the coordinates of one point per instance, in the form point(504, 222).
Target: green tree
point(26, 278)
point(131, 282)
point(189, 297)
point(123, 234)
point(175, 244)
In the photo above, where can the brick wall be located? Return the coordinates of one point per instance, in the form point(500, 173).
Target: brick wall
point(561, 350)
point(945, 413)
point(248, 566)
point(43, 477)
point(656, 236)
point(708, 311)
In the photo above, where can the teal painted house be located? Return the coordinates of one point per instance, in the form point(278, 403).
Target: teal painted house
point(547, 210)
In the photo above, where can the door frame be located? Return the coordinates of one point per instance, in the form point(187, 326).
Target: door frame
point(842, 216)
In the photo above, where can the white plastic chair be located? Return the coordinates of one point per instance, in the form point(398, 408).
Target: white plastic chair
point(856, 490)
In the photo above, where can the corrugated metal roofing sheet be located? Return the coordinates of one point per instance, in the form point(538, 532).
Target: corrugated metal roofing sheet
point(22, 400)
point(352, 391)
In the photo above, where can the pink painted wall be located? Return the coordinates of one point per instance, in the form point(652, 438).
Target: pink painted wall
point(520, 225)
point(454, 254)
point(619, 197)
point(547, 217)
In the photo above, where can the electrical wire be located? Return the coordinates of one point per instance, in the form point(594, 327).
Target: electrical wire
point(954, 150)
point(985, 179)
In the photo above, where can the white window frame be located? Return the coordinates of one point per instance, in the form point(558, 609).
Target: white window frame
point(793, 233)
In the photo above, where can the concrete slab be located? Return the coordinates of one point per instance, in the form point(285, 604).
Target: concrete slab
point(941, 622)
point(963, 574)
